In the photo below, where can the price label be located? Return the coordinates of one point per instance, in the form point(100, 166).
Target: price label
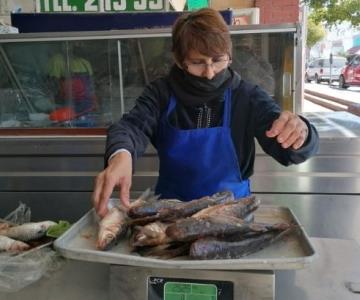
point(99, 5)
point(160, 288)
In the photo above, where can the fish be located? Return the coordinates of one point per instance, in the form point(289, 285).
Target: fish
point(186, 209)
point(145, 197)
point(112, 227)
point(215, 248)
point(151, 234)
point(141, 209)
point(190, 229)
point(165, 251)
point(27, 231)
point(11, 245)
point(4, 226)
point(239, 208)
point(170, 210)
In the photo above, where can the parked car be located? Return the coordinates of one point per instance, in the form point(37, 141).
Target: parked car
point(350, 74)
point(319, 69)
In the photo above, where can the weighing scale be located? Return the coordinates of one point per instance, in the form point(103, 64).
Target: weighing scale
point(130, 283)
point(134, 277)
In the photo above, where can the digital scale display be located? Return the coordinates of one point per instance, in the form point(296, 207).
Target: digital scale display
point(161, 288)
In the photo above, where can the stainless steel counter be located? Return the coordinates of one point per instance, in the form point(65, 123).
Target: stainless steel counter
point(326, 278)
point(73, 281)
point(329, 216)
point(337, 263)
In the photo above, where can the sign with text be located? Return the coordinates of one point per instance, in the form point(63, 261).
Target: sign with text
point(99, 5)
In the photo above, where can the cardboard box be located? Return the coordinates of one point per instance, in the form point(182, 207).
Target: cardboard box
point(235, 4)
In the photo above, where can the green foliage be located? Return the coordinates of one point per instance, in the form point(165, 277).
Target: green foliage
point(57, 230)
point(315, 32)
point(333, 12)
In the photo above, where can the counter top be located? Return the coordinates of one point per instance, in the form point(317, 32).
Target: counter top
point(337, 263)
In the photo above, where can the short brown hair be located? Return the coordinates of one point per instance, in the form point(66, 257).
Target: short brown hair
point(203, 30)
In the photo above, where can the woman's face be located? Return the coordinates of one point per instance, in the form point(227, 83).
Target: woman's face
point(200, 65)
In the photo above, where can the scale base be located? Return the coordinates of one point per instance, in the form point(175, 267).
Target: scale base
point(137, 283)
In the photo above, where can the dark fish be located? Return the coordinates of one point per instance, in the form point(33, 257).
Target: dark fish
point(165, 251)
point(145, 197)
point(212, 248)
point(151, 207)
point(187, 209)
point(239, 208)
point(239, 236)
point(169, 210)
point(249, 218)
point(150, 235)
point(190, 229)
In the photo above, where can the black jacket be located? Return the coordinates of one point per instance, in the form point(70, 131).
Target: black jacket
point(252, 113)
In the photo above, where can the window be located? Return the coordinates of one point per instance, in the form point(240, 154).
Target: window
point(51, 84)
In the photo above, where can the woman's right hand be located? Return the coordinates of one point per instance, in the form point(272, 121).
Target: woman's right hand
point(118, 173)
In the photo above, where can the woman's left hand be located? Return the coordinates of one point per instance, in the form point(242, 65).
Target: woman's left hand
point(289, 130)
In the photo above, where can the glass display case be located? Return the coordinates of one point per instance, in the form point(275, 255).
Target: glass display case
point(82, 82)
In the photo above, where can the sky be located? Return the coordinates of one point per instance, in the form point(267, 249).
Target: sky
point(343, 32)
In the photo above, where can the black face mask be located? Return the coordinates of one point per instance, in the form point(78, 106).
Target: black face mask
point(207, 85)
point(194, 90)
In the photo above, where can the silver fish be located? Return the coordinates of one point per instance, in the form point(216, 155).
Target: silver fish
point(11, 245)
point(111, 228)
point(27, 231)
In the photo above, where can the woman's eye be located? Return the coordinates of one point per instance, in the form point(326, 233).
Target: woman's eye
point(218, 59)
point(196, 62)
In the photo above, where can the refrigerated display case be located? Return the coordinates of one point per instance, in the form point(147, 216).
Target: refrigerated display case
point(88, 80)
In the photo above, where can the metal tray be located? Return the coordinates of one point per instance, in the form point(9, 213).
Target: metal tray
point(293, 252)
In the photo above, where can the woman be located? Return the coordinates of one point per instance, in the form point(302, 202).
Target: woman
point(202, 118)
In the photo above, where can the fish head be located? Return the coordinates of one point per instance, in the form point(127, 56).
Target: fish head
point(106, 239)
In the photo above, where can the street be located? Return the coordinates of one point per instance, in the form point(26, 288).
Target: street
point(351, 94)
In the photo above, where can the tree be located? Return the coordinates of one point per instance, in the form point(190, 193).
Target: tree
point(333, 12)
point(315, 32)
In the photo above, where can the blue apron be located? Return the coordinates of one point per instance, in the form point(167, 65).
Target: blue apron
point(198, 162)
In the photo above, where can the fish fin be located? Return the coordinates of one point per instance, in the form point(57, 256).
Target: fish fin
point(148, 193)
point(142, 221)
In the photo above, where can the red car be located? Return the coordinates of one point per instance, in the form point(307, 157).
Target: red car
point(350, 74)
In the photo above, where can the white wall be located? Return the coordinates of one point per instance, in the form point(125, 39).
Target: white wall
point(6, 6)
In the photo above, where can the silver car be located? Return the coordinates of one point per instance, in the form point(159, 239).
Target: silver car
point(319, 69)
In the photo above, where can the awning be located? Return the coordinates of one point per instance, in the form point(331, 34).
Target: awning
point(353, 50)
